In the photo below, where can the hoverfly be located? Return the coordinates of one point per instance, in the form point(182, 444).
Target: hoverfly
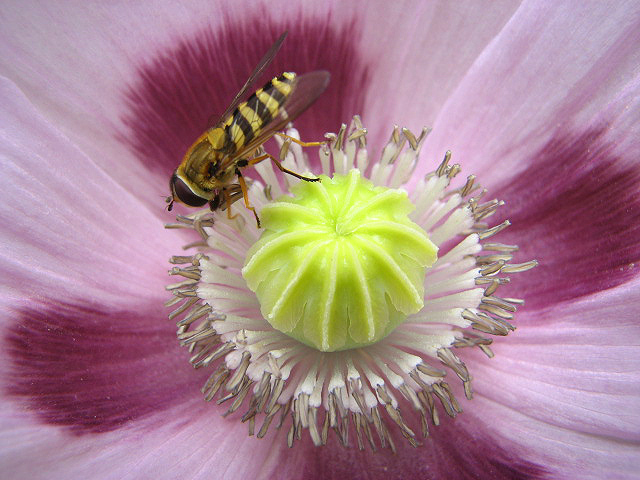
point(211, 169)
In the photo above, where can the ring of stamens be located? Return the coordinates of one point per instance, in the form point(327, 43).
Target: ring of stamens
point(273, 380)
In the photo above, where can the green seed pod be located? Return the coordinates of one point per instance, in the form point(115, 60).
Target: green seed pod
point(340, 264)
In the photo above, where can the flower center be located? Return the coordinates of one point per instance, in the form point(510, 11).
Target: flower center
point(339, 265)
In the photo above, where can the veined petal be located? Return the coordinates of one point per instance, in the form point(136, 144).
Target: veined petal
point(577, 203)
point(93, 369)
point(437, 43)
point(565, 453)
point(571, 398)
point(64, 219)
point(551, 65)
point(459, 449)
point(169, 446)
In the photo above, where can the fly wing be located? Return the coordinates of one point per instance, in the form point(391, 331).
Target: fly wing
point(306, 90)
point(264, 63)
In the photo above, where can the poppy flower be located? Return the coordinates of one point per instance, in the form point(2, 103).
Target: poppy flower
point(99, 105)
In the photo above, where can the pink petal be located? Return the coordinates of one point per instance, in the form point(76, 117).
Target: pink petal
point(70, 363)
point(575, 208)
point(70, 232)
point(455, 449)
point(184, 443)
point(565, 389)
point(552, 69)
point(566, 454)
point(95, 370)
point(418, 56)
point(549, 117)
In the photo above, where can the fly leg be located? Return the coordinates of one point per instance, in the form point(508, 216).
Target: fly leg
point(300, 142)
point(245, 195)
point(282, 168)
point(222, 200)
point(284, 149)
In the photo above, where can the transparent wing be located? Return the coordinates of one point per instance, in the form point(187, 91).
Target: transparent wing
point(264, 63)
point(306, 89)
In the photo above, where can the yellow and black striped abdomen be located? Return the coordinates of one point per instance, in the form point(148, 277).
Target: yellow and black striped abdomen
point(250, 118)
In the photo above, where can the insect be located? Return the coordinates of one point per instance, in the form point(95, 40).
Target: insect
point(211, 169)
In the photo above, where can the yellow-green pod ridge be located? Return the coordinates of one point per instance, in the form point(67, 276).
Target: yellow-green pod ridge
point(340, 264)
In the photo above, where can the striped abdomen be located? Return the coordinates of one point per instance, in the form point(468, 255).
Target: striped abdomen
point(250, 118)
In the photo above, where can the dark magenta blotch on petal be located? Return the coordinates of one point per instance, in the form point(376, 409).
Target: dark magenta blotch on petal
point(575, 208)
point(95, 370)
point(456, 449)
point(179, 89)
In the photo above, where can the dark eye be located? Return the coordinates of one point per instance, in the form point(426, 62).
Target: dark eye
point(182, 193)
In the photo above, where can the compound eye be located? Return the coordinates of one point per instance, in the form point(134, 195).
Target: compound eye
point(182, 193)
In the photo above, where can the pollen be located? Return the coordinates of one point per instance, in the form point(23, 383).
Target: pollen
point(351, 311)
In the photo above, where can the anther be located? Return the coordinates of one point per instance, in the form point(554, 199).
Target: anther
point(492, 231)
point(468, 186)
point(520, 267)
point(443, 168)
point(339, 138)
point(411, 137)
